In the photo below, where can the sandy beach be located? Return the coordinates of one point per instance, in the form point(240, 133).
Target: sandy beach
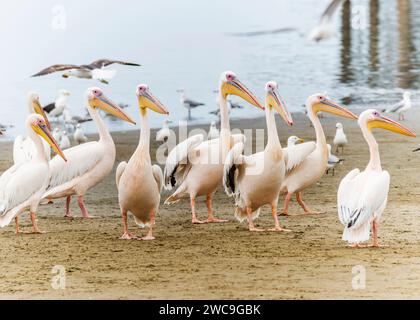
point(224, 261)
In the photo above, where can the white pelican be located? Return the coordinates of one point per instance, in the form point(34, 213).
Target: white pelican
point(401, 107)
point(362, 196)
point(23, 147)
point(164, 133)
point(197, 165)
point(56, 108)
point(64, 141)
point(324, 29)
point(139, 182)
point(313, 167)
point(340, 138)
point(93, 70)
point(79, 135)
point(213, 131)
point(89, 163)
point(22, 186)
point(293, 140)
point(332, 160)
point(188, 103)
point(255, 180)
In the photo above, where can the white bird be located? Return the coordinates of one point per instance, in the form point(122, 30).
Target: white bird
point(23, 147)
point(213, 131)
point(79, 135)
point(324, 28)
point(72, 120)
point(197, 165)
point(401, 107)
point(362, 195)
point(94, 70)
point(65, 141)
point(255, 180)
point(56, 108)
point(164, 133)
point(293, 140)
point(313, 167)
point(22, 185)
point(89, 163)
point(188, 103)
point(139, 182)
point(57, 134)
point(340, 138)
point(332, 160)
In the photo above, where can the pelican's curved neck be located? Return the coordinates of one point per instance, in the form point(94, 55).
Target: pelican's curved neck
point(40, 151)
point(224, 121)
point(321, 142)
point(272, 135)
point(144, 141)
point(375, 159)
point(102, 128)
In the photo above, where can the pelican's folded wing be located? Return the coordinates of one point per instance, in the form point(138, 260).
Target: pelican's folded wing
point(158, 175)
point(295, 154)
point(233, 161)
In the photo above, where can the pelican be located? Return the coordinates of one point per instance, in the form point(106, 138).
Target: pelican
point(324, 30)
point(164, 133)
point(188, 103)
point(213, 131)
point(197, 165)
point(93, 70)
point(22, 185)
point(293, 140)
point(65, 141)
point(401, 107)
point(255, 180)
point(139, 182)
point(89, 163)
point(340, 138)
point(79, 135)
point(313, 167)
point(332, 160)
point(24, 148)
point(362, 196)
point(55, 109)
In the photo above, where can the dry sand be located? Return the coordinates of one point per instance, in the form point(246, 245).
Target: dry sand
point(222, 261)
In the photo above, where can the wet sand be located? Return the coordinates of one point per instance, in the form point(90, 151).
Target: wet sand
point(224, 261)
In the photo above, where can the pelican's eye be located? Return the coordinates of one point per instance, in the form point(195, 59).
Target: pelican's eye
point(230, 77)
point(375, 113)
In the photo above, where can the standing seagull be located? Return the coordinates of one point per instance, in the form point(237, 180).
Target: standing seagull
point(324, 30)
point(164, 133)
point(401, 107)
point(65, 141)
point(93, 70)
point(340, 139)
point(362, 196)
point(213, 132)
point(188, 103)
point(139, 182)
point(79, 135)
point(332, 160)
point(56, 109)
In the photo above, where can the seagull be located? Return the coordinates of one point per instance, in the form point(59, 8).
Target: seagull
point(324, 30)
point(79, 135)
point(65, 141)
point(188, 103)
point(55, 109)
point(332, 160)
point(57, 134)
point(74, 120)
point(401, 107)
point(213, 132)
point(164, 133)
point(293, 140)
point(93, 70)
point(340, 139)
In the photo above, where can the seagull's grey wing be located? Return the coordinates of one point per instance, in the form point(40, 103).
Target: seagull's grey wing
point(193, 103)
point(331, 8)
point(49, 107)
point(236, 105)
point(97, 64)
point(396, 106)
point(56, 68)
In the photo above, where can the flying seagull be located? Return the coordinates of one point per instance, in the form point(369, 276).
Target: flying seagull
point(324, 28)
point(94, 70)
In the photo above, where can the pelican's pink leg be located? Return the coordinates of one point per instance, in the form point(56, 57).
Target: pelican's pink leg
point(34, 223)
point(285, 210)
point(126, 235)
point(251, 225)
point(277, 226)
point(209, 204)
point(303, 205)
point(375, 242)
point(82, 206)
point(193, 212)
point(149, 235)
point(68, 214)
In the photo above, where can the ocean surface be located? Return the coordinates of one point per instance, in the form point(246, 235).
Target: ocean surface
point(372, 58)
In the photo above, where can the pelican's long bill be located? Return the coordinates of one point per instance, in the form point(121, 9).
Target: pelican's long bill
point(147, 100)
point(274, 100)
point(390, 125)
point(330, 106)
point(235, 87)
point(42, 130)
point(39, 110)
point(103, 103)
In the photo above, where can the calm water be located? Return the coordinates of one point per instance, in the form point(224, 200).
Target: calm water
point(186, 43)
